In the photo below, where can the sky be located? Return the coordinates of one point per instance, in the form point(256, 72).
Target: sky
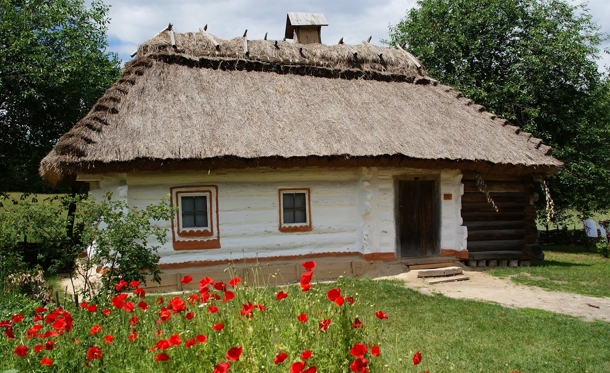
point(133, 22)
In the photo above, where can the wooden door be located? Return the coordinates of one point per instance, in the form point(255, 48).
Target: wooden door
point(419, 218)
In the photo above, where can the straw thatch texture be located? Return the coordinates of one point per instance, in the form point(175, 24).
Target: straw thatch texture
point(193, 102)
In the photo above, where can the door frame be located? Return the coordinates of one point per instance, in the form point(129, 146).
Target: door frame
point(426, 176)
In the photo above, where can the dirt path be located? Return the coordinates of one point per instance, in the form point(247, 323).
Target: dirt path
point(483, 286)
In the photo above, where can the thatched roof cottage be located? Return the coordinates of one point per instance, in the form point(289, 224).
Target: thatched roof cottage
point(276, 150)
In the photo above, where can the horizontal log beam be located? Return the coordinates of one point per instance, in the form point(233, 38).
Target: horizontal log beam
point(505, 245)
point(497, 197)
point(496, 186)
point(468, 175)
point(492, 235)
point(502, 206)
point(474, 226)
point(492, 216)
point(487, 255)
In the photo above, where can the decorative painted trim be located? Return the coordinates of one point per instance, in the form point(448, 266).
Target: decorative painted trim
point(460, 254)
point(299, 227)
point(196, 239)
point(210, 263)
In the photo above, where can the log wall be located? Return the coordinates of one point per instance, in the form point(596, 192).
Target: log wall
point(509, 233)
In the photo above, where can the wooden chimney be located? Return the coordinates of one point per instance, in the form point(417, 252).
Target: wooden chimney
point(305, 28)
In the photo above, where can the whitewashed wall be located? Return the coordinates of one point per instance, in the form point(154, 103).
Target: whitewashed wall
point(352, 210)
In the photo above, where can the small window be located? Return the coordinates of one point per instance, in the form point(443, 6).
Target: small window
point(195, 225)
point(295, 214)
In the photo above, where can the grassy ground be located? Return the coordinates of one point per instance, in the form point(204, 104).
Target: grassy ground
point(565, 268)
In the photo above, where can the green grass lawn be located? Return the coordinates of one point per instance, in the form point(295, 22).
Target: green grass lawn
point(565, 268)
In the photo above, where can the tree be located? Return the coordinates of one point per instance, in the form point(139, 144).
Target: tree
point(532, 62)
point(53, 66)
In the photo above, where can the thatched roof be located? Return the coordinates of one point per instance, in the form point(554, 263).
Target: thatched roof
point(195, 105)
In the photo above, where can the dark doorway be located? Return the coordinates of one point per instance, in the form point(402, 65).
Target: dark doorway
point(418, 218)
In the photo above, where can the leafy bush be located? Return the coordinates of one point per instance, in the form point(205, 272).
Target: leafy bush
point(603, 248)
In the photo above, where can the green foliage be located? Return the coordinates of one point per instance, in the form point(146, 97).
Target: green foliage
point(603, 248)
point(532, 62)
point(121, 238)
point(53, 66)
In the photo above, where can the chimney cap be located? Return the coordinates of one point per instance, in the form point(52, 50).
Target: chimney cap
point(303, 19)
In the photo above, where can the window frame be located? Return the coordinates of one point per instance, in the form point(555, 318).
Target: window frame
point(194, 238)
point(294, 227)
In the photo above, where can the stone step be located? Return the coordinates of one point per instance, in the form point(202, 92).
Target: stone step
point(439, 280)
point(440, 272)
point(431, 265)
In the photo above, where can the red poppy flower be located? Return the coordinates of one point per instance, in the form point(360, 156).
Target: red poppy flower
point(280, 357)
point(95, 329)
point(357, 323)
point(140, 292)
point(306, 277)
point(164, 315)
point(108, 339)
point(106, 312)
point(201, 338)
point(281, 295)
point(186, 279)
point(350, 300)
point(175, 340)
point(193, 299)
point(40, 310)
point(132, 337)
point(220, 286)
point(134, 321)
point(246, 310)
point(212, 309)
point(48, 345)
point(159, 301)
point(205, 282)
point(163, 344)
point(297, 367)
point(333, 294)
point(381, 315)
point(83, 305)
point(177, 304)
point(302, 317)
point(17, 318)
point(143, 306)
point(228, 296)
point(134, 284)
point(324, 324)
point(375, 350)
point(305, 286)
point(339, 301)
point(235, 281)
point(92, 308)
point(37, 318)
point(306, 354)
point(9, 333)
point(416, 358)
point(190, 343)
point(128, 307)
point(358, 350)
point(189, 316)
point(310, 370)
point(309, 266)
point(94, 353)
point(222, 367)
point(234, 353)
point(218, 327)
point(46, 361)
point(359, 365)
point(38, 348)
point(161, 357)
point(205, 295)
point(120, 285)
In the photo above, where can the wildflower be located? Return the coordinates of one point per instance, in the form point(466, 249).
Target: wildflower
point(83, 305)
point(309, 266)
point(161, 357)
point(159, 301)
point(280, 357)
point(297, 367)
point(416, 358)
point(305, 286)
point(350, 300)
point(143, 306)
point(333, 294)
point(40, 310)
point(324, 324)
point(134, 284)
point(128, 307)
point(92, 308)
point(201, 338)
point(106, 312)
point(186, 279)
point(375, 350)
point(49, 345)
point(108, 339)
point(46, 361)
point(310, 370)
point(204, 283)
point(120, 285)
point(132, 337)
point(306, 354)
point(359, 365)
point(358, 350)
point(38, 348)
point(177, 304)
point(21, 350)
point(302, 317)
point(281, 295)
point(234, 281)
point(17, 318)
point(95, 329)
point(220, 286)
point(9, 333)
point(217, 327)
point(189, 316)
point(134, 321)
point(357, 323)
point(94, 353)
point(190, 343)
point(234, 353)
point(222, 367)
point(140, 292)
point(163, 344)
point(228, 296)
point(381, 315)
point(212, 309)
point(175, 340)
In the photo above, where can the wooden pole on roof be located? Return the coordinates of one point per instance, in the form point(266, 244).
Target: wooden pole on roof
point(409, 55)
point(246, 50)
point(210, 38)
point(169, 27)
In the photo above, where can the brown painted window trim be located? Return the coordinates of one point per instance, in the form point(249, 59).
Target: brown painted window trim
point(187, 239)
point(299, 227)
